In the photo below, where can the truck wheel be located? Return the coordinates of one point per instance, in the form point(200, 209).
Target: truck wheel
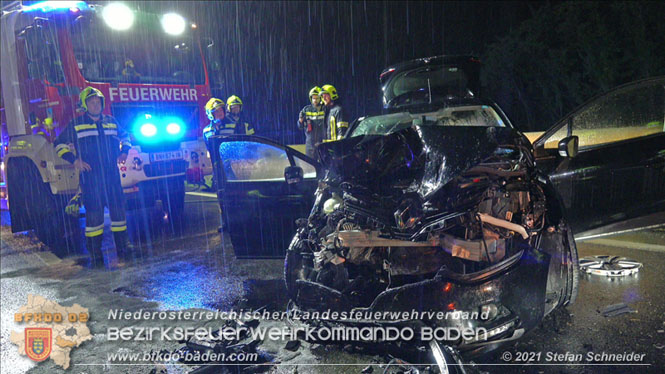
point(45, 211)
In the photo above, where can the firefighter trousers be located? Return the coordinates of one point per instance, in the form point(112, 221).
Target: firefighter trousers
point(101, 187)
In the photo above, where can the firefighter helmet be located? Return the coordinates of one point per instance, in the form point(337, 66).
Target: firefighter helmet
point(89, 92)
point(331, 90)
point(231, 101)
point(212, 105)
point(316, 90)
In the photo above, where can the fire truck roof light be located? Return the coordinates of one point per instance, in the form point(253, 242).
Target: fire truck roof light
point(48, 6)
point(173, 24)
point(118, 16)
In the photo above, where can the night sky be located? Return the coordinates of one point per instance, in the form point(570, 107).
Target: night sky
point(272, 53)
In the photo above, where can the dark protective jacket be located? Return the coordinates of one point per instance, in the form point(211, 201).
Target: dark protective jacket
point(99, 143)
point(222, 127)
point(312, 126)
point(334, 122)
point(240, 123)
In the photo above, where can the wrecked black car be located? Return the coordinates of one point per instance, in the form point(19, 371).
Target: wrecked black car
point(442, 205)
point(442, 211)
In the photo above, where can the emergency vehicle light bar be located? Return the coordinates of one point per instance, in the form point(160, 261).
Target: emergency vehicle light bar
point(49, 6)
point(151, 129)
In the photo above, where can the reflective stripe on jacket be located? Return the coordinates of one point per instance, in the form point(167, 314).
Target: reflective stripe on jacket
point(96, 142)
point(243, 126)
point(223, 127)
point(334, 121)
point(315, 115)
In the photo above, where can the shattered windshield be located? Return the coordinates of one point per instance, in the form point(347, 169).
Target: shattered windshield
point(146, 55)
point(477, 115)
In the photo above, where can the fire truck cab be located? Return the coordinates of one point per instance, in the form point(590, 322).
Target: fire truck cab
point(152, 72)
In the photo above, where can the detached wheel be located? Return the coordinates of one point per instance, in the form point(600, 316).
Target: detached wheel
point(45, 211)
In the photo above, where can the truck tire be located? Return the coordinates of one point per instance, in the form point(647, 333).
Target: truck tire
point(44, 211)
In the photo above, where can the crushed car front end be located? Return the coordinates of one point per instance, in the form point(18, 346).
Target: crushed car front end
point(436, 221)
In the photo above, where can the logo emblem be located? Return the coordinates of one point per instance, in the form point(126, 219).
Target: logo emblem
point(38, 343)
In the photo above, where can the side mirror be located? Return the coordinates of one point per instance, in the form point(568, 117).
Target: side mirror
point(569, 146)
point(293, 174)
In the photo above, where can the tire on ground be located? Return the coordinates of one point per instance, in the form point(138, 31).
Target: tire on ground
point(45, 211)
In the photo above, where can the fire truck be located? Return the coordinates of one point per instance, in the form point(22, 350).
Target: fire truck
point(151, 69)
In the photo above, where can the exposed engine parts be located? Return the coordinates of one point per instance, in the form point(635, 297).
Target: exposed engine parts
point(359, 240)
point(419, 220)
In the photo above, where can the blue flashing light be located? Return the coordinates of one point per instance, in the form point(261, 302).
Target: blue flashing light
point(49, 6)
point(148, 130)
point(153, 129)
point(173, 128)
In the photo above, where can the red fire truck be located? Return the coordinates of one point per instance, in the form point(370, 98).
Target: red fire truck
point(152, 72)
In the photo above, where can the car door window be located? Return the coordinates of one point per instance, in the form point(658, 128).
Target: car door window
point(629, 113)
point(624, 115)
point(245, 161)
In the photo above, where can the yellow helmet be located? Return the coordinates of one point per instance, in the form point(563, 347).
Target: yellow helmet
point(316, 90)
point(89, 92)
point(212, 105)
point(331, 90)
point(233, 100)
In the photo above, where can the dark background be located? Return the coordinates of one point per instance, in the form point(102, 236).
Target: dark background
point(540, 59)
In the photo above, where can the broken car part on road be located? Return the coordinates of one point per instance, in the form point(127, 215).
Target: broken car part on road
point(609, 266)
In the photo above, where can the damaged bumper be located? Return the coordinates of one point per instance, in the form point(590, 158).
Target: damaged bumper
point(491, 307)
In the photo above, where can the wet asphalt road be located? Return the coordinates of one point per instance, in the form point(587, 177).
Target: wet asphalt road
point(196, 270)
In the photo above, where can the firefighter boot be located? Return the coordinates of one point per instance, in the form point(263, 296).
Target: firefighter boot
point(94, 246)
point(123, 245)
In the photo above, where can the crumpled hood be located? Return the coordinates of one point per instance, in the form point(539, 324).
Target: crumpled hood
point(423, 158)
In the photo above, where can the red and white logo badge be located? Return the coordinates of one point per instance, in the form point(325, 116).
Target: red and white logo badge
point(38, 343)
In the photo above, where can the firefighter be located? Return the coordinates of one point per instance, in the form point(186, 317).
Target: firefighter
point(310, 121)
point(219, 124)
point(129, 73)
point(234, 113)
point(99, 145)
point(37, 127)
point(333, 119)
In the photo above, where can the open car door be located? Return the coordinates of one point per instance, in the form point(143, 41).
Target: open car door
point(607, 159)
point(263, 188)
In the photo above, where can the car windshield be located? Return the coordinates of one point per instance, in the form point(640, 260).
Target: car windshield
point(146, 55)
point(476, 115)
